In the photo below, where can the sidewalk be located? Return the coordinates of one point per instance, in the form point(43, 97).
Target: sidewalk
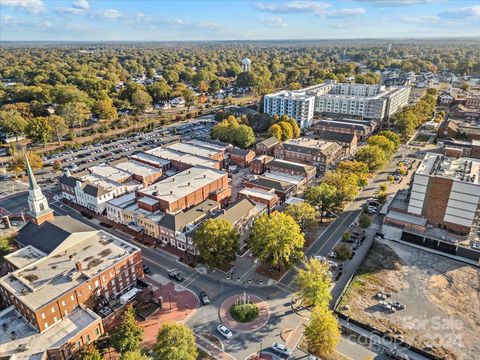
point(211, 349)
point(178, 304)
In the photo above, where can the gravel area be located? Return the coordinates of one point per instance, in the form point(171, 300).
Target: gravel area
point(441, 298)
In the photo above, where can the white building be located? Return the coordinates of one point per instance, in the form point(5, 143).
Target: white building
point(296, 104)
point(368, 101)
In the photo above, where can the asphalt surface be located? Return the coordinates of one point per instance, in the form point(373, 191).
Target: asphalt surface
point(278, 297)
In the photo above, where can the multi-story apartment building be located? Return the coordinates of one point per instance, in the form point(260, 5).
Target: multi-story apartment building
point(368, 101)
point(318, 153)
point(62, 268)
point(296, 104)
point(186, 189)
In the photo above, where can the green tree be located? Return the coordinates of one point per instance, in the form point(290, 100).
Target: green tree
point(135, 355)
point(343, 252)
point(275, 130)
point(217, 241)
point(314, 283)
point(383, 143)
point(392, 136)
point(141, 100)
point(324, 197)
point(175, 341)
point(128, 335)
point(354, 168)
point(322, 334)
point(465, 86)
point(189, 97)
point(39, 129)
point(295, 128)
point(104, 109)
point(303, 213)
point(244, 136)
point(373, 156)
point(58, 127)
point(75, 114)
point(12, 122)
point(364, 221)
point(287, 130)
point(382, 197)
point(346, 185)
point(276, 239)
point(160, 91)
point(88, 352)
point(383, 187)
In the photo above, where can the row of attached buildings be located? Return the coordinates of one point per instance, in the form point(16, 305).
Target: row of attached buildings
point(60, 283)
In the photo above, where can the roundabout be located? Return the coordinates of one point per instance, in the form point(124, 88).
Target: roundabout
point(244, 312)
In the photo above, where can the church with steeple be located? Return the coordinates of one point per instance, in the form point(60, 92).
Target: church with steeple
point(37, 202)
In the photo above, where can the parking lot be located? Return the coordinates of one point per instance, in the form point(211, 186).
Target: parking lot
point(114, 149)
point(440, 296)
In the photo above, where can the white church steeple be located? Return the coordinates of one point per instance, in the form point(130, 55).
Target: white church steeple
point(37, 202)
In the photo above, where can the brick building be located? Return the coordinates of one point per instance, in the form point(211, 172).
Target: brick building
point(241, 157)
point(186, 189)
point(318, 153)
point(292, 168)
point(259, 164)
point(444, 194)
point(266, 146)
point(62, 269)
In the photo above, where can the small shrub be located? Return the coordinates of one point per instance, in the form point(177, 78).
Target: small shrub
point(244, 312)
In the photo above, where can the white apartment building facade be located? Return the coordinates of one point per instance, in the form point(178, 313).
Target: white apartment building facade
point(367, 101)
point(296, 104)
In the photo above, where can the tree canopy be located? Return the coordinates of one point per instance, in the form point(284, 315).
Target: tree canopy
point(217, 241)
point(175, 341)
point(277, 240)
point(127, 337)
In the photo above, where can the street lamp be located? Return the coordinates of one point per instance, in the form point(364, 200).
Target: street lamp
point(169, 300)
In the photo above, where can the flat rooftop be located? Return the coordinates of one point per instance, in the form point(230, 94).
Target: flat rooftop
point(279, 176)
point(38, 343)
point(172, 155)
point(258, 193)
point(110, 172)
point(180, 185)
point(192, 149)
point(49, 277)
point(137, 168)
point(123, 201)
point(292, 95)
point(308, 143)
point(462, 169)
point(156, 216)
point(100, 181)
point(151, 159)
point(208, 145)
point(25, 256)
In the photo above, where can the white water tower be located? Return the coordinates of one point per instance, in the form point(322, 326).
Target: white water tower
point(246, 64)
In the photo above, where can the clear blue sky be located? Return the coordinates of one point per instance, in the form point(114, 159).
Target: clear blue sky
point(137, 20)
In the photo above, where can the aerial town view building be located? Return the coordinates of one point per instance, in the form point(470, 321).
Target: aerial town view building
point(239, 180)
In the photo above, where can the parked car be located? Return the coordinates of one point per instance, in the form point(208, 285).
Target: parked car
point(281, 349)
point(146, 269)
point(175, 274)
point(204, 298)
point(332, 254)
point(226, 333)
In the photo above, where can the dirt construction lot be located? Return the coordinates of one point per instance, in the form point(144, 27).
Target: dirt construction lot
point(441, 298)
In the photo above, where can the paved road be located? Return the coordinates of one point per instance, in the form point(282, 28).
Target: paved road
point(278, 297)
